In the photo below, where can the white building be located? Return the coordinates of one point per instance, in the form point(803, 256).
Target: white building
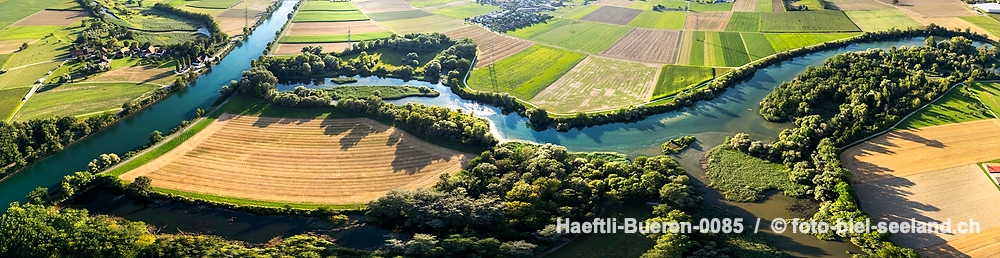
point(988, 7)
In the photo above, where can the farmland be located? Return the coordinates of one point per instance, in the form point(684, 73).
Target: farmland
point(676, 78)
point(28, 32)
point(659, 20)
point(884, 19)
point(695, 42)
point(745, 22)
point(845, 5)
point(331, 28)
point(162, 75)
point(757, 45)
point(398, 15)
point(657, 46)
point(26, 76)
point(80, 98)
point(710, 7)
point(9, 100)
point(51, 18)
point(787, 41)
point(466, 10)
point(538, 29)
point(728, 49)
point(329, 16)
point(327, 6)
point(988, 92)
point(335, 38)
point(745, 178)
point(426, 3)
point(612, 15)
point(648, 4)
point(716, 21)
point(598, 84)
point(936, 8)
point(954, 107)
point(319, 161)
point(576, 13)
point(491, 46)
point(17, 10)
point(213, 4)
point(812, 21)
point(379, 6)
point(985, 22)
point(522, 75)
point(433, 23)
point(745, 5)
point(589, 37)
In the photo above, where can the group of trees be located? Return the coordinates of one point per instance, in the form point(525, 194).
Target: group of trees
point(24, 142)
point(432, 121)
point(851, 96)
point(515, 192)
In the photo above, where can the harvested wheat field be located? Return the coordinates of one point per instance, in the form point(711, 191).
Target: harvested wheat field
point(160, 76)
point(294, 49)
point(502, 45)
point(612, 15)
point(331, 28)
point(934, 8)
point(232, 21)
point(599, 84)
point(746, 5)
point(379, 6)
point(318, 161)
point(714, 21)
point(11, 46)
point(985, 244)
point(647, 45)
point(856, 5)
point(52, 18)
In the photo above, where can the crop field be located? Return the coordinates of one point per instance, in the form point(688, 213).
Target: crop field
point(145, 74)
point(3, 59)
point(694, 44)
point(538, 29)
point(28, 32)
point(984, 244)
point(728, 45)
point(645, 45)
point(433, 23)
point(80, 98)
point(295, 49)
point(156, 21)
point(716, 21)
point(589, 37)
point(378, 6)
point(989, 93)
point(398, 15)
point(9, 100)
point(659, 20)
point(44, 50)
point(233, 20)
point(812, 5)
point(787, 41)
point(676, 78)
point(329, 16)
point(880, 20)
point(17, 10)
point(523, 75)
point(166, 38)
point(713, 7)
point(612, 15)
point(320, 161)
point(426, 3)
point(986, 23)
point(745, 178)
point(757, 45)
point(576, 13)
point(331, 28)
point(68, 5)
point(25, 76)
point(745, 5)
point(502, 45)
point(744, 22)
point(952, 108)
point(855, 5)
point(936, 8)
point(51, 17)
point(466, 10)
point(327, 6)
point(10, 46)
point(213, 4)
point(811, 21)
point(648, 4)
point(598, 84)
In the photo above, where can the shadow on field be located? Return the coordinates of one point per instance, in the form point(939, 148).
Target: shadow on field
point(910, 136)
point(358, 132)
point(889, 200)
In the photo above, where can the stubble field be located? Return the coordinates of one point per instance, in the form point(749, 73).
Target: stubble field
point(613, 15)
point(715, 21)
point(599, 84)
point(645, 45)
point(492, 46)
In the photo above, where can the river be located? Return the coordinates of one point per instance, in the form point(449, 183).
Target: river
point(711, 121)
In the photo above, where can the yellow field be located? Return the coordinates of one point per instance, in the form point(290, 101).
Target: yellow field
point(317, 161)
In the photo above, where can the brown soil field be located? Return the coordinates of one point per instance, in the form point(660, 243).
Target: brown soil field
point(848, 5)
point(776, 6)
point(51, 17)
point(612, 15)
point(294, 49)
point(935, 8)
point(233, 20)
point(331, 28)
point(909, 152)
point(319, 161)
point(746, 5)
point(647, 45)
point(599, 84)
point(947, 22)
point(714, 21)
point(143, 74)
point(503, 45)
point(380, 6)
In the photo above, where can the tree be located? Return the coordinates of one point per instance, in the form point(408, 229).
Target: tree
point(51, 232)
point(38, 196)
point(142, 186)
point(930, 41)
point(895, 2)
point(155, 137)
point(199, 113)
point(23, 47)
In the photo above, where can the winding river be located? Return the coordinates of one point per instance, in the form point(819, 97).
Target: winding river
point(711, 121)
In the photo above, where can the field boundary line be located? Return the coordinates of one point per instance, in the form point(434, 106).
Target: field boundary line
point(745, 47)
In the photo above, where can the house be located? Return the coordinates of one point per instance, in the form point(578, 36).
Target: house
point(987, 7)
point(82, 53)
point(125, 52)
point(992, 168)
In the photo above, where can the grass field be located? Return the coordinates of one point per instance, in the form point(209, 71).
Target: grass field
point(577, 13)
point(335, 38)
point(66, 6)
point(659, 20)
point(327, 6)
point(426, 3)
point(538, 29)
point(813, 5)
point(466, 10)
point(80, 98)
point(610, 245)
point(215, 4)
point(14, 10)
point(757, 45)
point(9, 100)
point(989, 93)
point(26, 76)
point(676, 78)
point(811, 21)
point(598, 84)
point(716, 7)
point(952, 108)
point(385, 92)
point(882, 19)
point(591, 37)
point(166, 38)
point(697, 56)
point(765, 6)
point(725, 49)
point(787, 41)
point(400, 15)
point(4, 58)
point(44, 50)
point(648, 4)
point(744, 22)
point(989, 24)
point(743, 178)
point(329, 16)
point(523, 75)
point(27, 32)
point(433, 23)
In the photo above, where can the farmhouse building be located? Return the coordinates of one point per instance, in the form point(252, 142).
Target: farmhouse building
point(987, 7)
